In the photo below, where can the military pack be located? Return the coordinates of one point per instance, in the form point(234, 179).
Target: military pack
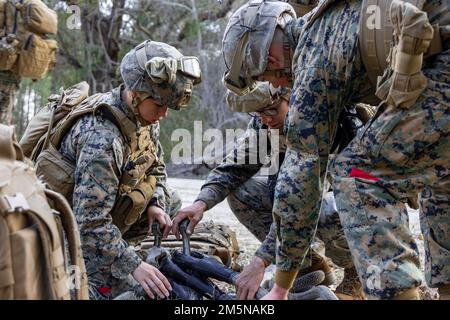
point(25, 48)
point(47, 129)
point(40, 249)
point(215, 240)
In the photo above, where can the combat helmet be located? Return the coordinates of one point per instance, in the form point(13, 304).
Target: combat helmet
point(159, 71)
point(247, 40)
point(263, 96)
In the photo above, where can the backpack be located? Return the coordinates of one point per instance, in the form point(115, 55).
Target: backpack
point(50, 125)
point(379, 47)
point(39, 240)
point(24, 48)
point(57, 108)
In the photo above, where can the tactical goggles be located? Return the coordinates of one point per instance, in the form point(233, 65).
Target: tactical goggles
point(187, 66)
point(171, 80)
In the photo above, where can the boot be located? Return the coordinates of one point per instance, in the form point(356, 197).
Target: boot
point(350, 288)
point(301, 283)
point(408, 294)
point(444, 292)
point(319, 262)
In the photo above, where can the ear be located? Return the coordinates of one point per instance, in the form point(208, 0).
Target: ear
point(274, 63)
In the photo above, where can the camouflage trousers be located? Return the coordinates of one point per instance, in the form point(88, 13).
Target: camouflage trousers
point(9, 84)
point(252, 206)
point(105, 282)
point(400, 155)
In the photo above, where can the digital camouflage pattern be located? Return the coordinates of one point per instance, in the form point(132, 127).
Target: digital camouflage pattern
point(405, 150)
point(402, 153)
point(325, 68)
point(9, 85)
point(98, 149)
point(237, 166)
point(234, 178)
point(250, 197)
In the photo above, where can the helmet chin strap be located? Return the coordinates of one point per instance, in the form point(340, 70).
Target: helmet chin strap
point(287, 60)
point(136, 100)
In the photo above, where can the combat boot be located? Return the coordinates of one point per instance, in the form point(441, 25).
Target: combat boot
point(319, 262)
point(350, 287)
point(408, 294)
point(444, 292)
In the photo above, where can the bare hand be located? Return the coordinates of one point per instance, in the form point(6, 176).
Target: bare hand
point(194, 213)
point(250, 279)
point(277, 293)
point(158, 214)
point(152, 280)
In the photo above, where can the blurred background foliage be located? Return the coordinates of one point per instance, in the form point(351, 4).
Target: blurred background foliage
point(93, 36)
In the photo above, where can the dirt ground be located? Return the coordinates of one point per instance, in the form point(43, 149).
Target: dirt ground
point(189, 188)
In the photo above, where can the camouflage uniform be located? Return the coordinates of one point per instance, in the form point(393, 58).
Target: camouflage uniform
point(250, 197)
point(401, 154)
point(329, 75)
point(9, 84)
point(98, 148)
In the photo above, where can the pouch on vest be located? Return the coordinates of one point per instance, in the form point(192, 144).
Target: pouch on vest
point(36, 227)
point(62, 171)
point(36, 58)
point(9, 52)
point(393, 52)
point(403, 83)
point(129, 206)
point(48, 128)
point(38, 18)
point(23, 26)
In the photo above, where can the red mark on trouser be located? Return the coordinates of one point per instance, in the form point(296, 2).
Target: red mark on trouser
point(104, 290)
point(358, 173)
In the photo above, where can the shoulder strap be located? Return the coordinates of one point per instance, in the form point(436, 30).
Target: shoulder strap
point(125, 125)
point(74, 242)
point(141, 54)
point(5, 22)
point(17, 5)
point(375, 43)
